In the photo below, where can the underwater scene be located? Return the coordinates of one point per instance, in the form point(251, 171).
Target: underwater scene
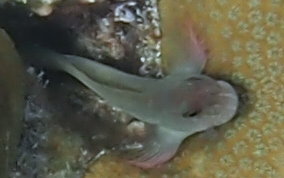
point(141, 89)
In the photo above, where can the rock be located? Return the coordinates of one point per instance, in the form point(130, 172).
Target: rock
point(11, 102)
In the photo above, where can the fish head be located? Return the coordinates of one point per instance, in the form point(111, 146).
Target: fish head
point(202, 103)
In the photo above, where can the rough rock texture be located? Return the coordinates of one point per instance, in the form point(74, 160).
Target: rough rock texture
point(124, 34)
point(65, 125)
point(64, 129)
point(246, 46)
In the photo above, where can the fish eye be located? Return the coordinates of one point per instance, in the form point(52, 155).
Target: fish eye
point(191, 113)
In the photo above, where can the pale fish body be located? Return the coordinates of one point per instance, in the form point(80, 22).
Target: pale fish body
point(179, 105)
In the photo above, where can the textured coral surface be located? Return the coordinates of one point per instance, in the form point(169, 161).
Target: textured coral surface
point(245, 39)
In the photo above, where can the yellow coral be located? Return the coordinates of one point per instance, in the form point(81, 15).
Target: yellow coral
point(246, 42)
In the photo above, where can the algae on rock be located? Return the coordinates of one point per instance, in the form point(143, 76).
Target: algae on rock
point(11, 102)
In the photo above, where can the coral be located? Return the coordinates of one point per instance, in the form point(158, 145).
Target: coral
point(246, 48)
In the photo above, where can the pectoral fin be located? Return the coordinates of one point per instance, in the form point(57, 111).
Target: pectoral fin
point(183, 52)
point(158, 148)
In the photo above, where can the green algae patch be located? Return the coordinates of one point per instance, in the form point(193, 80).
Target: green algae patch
point(11, 102)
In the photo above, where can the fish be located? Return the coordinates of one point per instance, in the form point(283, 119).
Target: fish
point(180, 104)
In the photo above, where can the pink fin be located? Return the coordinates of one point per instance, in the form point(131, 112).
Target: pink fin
point(158, 148)
point(192, 53)
point(197, 48)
